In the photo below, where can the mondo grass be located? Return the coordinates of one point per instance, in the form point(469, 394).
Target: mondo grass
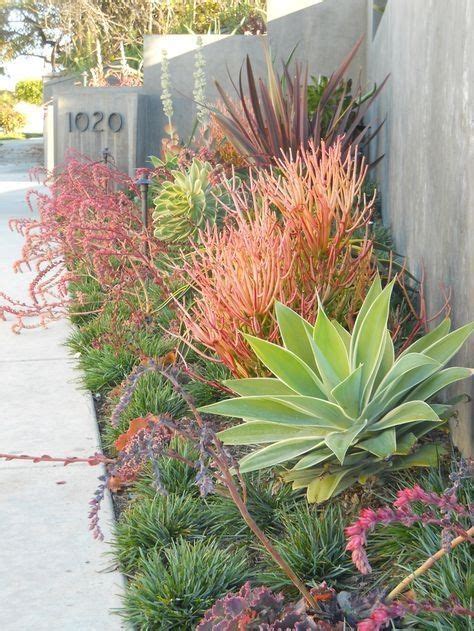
point(153, 395)
point(153, 523)
point(178, 584)
point(105, 368)
point(312, 541)
point(176, 476)
point(264, 500)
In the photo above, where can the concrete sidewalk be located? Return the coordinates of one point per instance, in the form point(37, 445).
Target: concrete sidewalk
point(53, 575)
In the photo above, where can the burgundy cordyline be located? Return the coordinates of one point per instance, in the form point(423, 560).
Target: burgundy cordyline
point(87, 226)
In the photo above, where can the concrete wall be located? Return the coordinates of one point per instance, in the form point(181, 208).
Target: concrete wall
point(427, 176)
point(123, 135)
point(323, 32)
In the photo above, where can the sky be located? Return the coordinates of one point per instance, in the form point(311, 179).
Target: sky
point(24, 67)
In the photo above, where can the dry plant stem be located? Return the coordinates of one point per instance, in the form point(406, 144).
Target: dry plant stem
point(220, 460)
point(247, 517)
point(401, 587)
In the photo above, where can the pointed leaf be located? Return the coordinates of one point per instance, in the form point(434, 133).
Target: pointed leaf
point(287, 366)
point(406, 443)
point(344, 333)
point(409, 412)
point(295, 331)
point(325, 486)
point(330, 351)
point(426, 456)
point(329, 413)
point(257, 432)
point(258, 386)
point(427, 340)
point(388, 358)
point(313, 458)
point(276, 454)
point(348, 393)
point(374, 291)
point(339, 442)
point(383, 445)
point(369, 345)
point(265, 409)
point(442, 350)
point(435, 383)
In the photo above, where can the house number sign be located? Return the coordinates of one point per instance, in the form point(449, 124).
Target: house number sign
point(97, 122)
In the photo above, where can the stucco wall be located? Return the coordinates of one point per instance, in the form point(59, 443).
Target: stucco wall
point(427, 176)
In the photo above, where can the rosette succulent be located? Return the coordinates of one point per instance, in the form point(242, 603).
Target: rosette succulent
point(186, 203)
point(340, 407)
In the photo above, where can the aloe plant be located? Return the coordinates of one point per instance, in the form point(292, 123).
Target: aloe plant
point(340, 407)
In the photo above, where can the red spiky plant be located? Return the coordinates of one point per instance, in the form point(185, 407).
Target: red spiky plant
point(297, 232)
point(87, 224)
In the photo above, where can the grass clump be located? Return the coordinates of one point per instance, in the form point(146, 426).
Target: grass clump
point(312, 541)
point(178, 584)
point(155, 522)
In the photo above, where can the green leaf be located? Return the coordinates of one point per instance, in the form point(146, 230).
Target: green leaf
point(408, 412)
point(323, 410)
point(257, 432)
point(325, 486)
point(265, 409)
point(437, 382)
point(287, 366)
point(406, 443)
point(403, 366)
point(388, 358)
point(426, 456)
point(277, 453)
point(393, 394)
point(374, 291)
point(258, 386)
point(427, 340)
point(339, 442)
point(383, 445)
point(370, 342)
point(442, 350)
point(329, 350)
point(344, 333)
point(295, 332)
point(348, 393)
point(314, 458)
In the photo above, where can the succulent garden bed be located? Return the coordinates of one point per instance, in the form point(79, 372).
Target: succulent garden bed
point(262, 288)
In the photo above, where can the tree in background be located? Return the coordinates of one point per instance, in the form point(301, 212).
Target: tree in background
point(68, 33)
point(29, 91)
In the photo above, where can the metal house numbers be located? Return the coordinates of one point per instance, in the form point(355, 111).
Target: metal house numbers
point(95, 122)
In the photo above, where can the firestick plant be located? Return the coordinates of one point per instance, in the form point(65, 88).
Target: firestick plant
point(340, 408)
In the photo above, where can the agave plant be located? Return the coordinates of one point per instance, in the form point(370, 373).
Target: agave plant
point(272, 118)
point(186, 204)
point(340, 407)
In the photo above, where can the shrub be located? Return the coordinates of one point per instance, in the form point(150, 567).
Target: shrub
point(153, 523)
point(292, 236)
point(274, 119)
point(30, 91)
point(341, 406)
point(312, 542)
point(176, 586)
point(10, 120)
point(87, 225)
point(259, 608)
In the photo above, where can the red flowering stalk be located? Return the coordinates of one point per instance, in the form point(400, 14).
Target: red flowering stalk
point(88, 224)
point(383, 614)
point(291, 237)
point(443, 510)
